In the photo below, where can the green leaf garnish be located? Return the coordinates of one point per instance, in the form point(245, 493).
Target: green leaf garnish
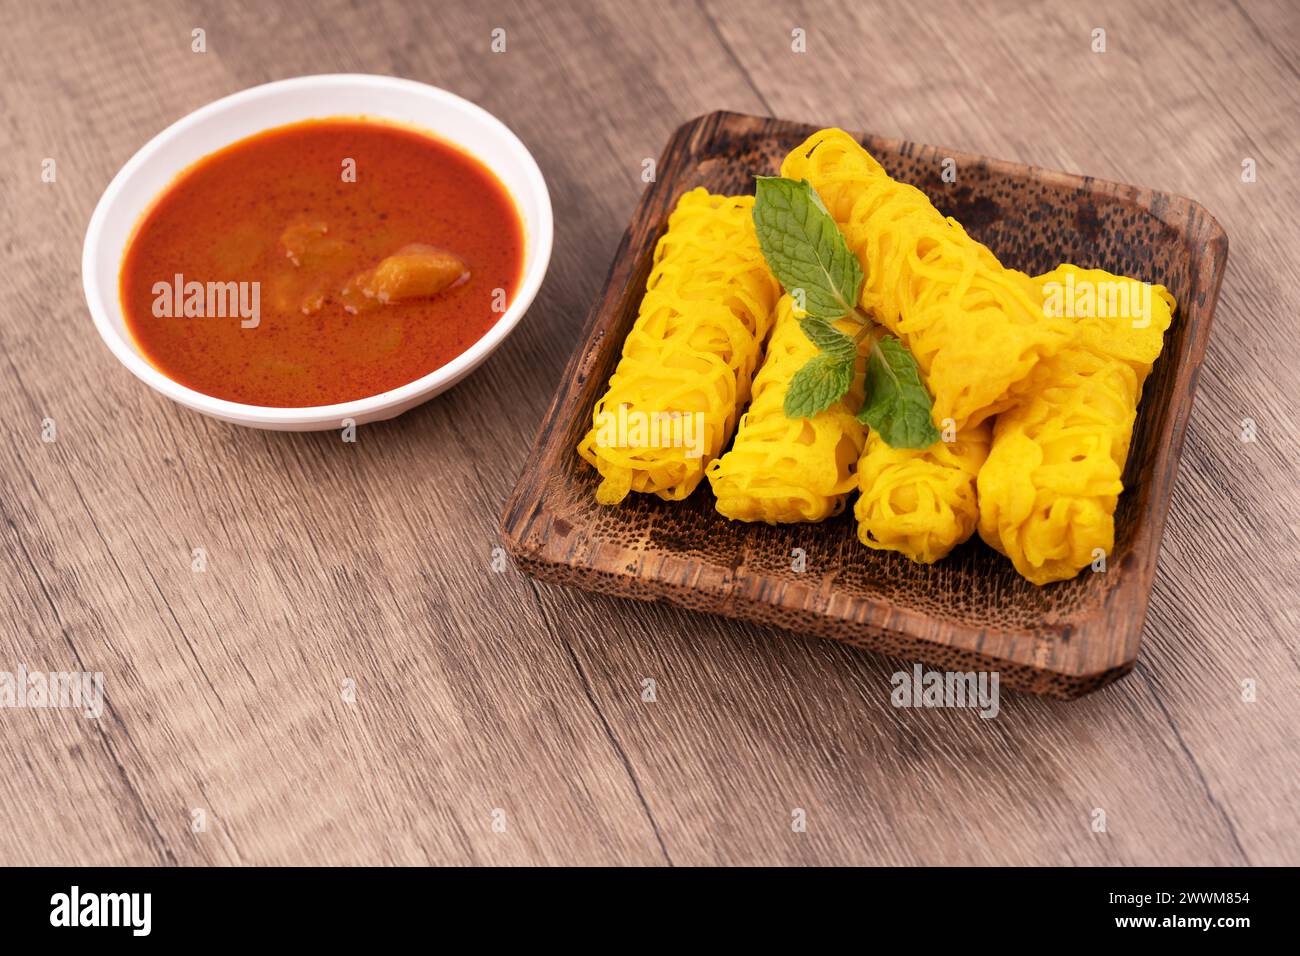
point(896, 404)
point(817, 386)
point(804, 247)
point(829, 339)
point(809, 256)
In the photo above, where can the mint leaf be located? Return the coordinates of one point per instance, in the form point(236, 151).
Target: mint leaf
point(804, 247)
point(829, 339)
point(896, 404)
point(817, 386)
point(807, 253)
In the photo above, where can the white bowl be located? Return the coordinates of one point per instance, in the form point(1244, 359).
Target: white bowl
point(235, 117)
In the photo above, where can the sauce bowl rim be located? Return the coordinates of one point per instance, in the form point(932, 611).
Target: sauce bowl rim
point(538, 242)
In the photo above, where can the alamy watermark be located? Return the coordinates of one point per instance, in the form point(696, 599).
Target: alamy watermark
point(1107, 299)
point(922, 688)
point(208, 300)
point(632, 428)
point(70, 690)
point(133, 911)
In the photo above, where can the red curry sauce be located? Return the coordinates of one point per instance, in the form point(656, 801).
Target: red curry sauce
point(343, 310)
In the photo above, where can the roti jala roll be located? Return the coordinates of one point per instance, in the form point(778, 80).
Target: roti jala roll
point(974, 327)
point(782, 469)
point(1047, 493)
point(921, 503)
point(687, 364)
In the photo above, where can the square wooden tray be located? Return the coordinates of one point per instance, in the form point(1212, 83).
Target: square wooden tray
point(970, 611)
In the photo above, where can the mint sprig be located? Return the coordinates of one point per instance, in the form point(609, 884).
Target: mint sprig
point(896, 404)
point(804, 247)
point(829, 339)
point(817, 386)
point(809, 256)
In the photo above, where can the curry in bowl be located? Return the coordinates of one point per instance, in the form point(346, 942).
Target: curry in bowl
point(321, 262)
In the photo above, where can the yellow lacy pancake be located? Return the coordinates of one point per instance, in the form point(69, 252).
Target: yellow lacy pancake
point(783, 469)
point(921, 503)
point(686, 366)
point(1048, 491)
point(974, 327)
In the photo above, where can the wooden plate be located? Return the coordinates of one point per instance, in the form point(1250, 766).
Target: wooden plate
point(970, 611)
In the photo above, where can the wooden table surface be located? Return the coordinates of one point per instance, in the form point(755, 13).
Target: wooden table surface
point(496, 720)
